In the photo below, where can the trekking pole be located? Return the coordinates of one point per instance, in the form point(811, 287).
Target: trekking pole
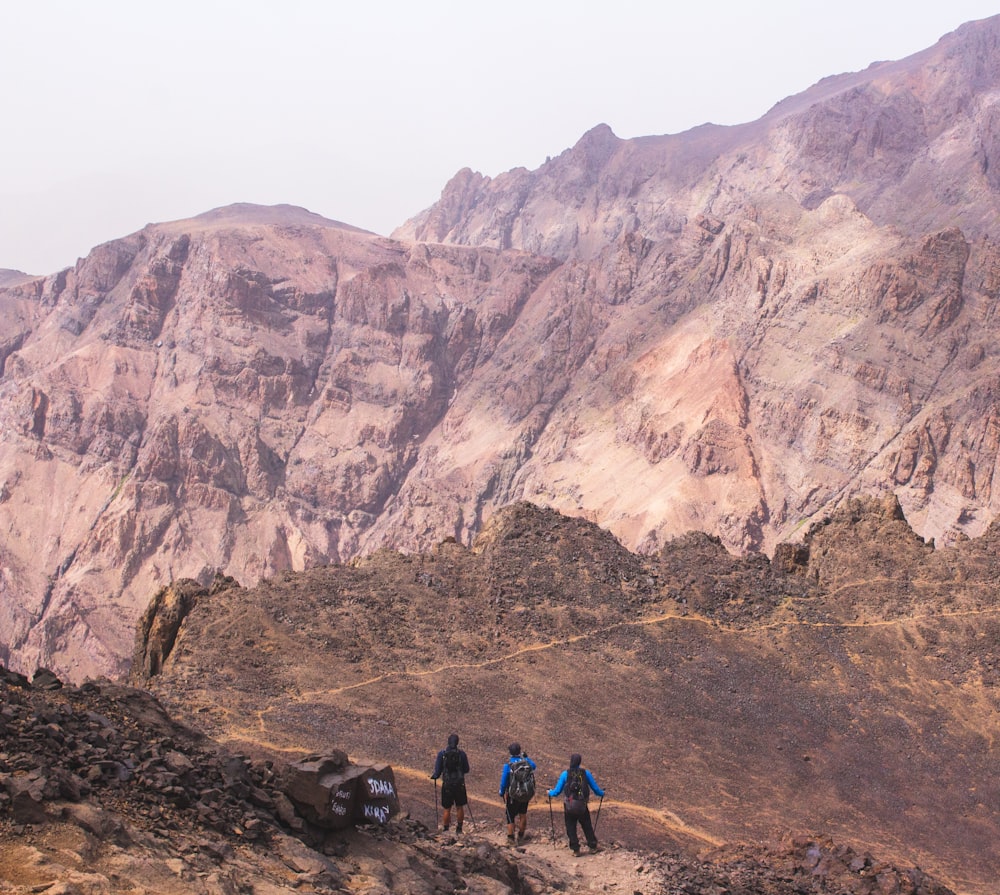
point(436, 821)
point(597, 819)
point(468, 807)
point(552, 824)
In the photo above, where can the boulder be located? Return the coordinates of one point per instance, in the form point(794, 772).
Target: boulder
point(330, 792)
point(44, 679)
point(27, 798)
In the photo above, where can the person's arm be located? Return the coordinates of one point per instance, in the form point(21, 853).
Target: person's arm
point(594, 786)
point(438, 767)
point(465, 763)
point(503, 778)
point(534, 766)
point(558, 788)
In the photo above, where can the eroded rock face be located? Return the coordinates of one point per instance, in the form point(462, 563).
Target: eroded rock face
point(729, 330)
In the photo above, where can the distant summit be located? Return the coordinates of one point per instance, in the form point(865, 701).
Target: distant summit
point(14, 277)
point(243, 214)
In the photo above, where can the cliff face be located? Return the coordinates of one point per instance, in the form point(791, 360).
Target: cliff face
point(727, 330)
point(246, 390)
point(803, 302)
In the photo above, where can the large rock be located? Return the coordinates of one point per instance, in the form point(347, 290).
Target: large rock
point(331, 792)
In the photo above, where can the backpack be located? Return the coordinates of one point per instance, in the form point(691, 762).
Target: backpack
point(576, 793)
point(521, 783)
point(452, 767)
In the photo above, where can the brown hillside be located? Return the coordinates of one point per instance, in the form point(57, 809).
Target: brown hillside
point(101, 792)
point(848, 688)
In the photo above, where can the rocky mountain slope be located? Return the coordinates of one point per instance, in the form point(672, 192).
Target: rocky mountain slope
point(102, 792)
point(729, 330)
point(705, 689)
point(846, 690)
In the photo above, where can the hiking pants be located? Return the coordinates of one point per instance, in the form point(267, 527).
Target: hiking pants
point(585, 823)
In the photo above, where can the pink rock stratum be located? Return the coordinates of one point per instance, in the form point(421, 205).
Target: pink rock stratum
point(729, 330)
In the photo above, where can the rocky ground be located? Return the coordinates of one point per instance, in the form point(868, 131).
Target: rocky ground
point(101, 792)
point(846, 689)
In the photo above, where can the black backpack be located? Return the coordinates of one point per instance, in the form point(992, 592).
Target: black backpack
point(521, 783)
point(452, 767)
point(576, 792)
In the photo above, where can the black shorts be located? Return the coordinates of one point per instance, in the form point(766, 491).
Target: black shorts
point(514, 809)
point(454, 794)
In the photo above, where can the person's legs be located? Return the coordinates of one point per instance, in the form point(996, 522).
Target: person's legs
point(461, 800)
point(588, 829)
point(447, 800)
point(574, 840)
point(511, 817)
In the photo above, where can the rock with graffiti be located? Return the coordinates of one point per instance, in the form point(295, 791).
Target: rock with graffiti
point(329, 791)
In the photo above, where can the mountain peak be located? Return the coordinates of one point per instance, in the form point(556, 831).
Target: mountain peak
point(249, 214)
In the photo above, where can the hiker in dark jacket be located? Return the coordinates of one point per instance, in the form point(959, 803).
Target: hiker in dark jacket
point(451, 766)
point(516, 806)
point(576, 783)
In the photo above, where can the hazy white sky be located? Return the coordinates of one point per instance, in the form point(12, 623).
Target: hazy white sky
point(115, 114)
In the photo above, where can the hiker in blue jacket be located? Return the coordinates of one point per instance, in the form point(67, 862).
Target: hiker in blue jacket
point(517, 788)
point(576, 783)
point(451, 766)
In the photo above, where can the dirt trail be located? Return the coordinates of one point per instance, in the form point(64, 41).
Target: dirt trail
point(611, 869)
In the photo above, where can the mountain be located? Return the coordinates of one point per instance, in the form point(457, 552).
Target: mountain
point(846, 690)
point(912, 144)
point(731, 330)
point(13, 277)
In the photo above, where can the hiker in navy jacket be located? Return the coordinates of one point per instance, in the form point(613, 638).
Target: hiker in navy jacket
point(577, 783)
point(452, 765)
point(516, 806)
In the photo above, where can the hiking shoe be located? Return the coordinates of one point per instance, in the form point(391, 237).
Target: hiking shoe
point(458, 828)
point(576, 852)
point(510, 840)
point(594, 849)
point(520, 838)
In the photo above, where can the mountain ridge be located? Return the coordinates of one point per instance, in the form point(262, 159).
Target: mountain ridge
point(682, 335)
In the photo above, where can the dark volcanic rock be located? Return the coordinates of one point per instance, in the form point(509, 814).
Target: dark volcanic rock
point(334, 794)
